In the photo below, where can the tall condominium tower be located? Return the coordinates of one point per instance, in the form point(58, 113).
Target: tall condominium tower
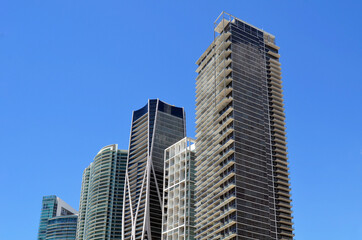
point(155, 127)
point(62, 228)
point(178, 193)
point(101, 201)
point(242, 184)
point(83, 203)
point(52, 206)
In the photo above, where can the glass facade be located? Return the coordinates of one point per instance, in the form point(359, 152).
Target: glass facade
point(52, 206)
point(62, 228)
point(100, 209)
point(49, 208)
point(242, 185)
point(154, 128)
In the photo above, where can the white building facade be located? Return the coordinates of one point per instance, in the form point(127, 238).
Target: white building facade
point(178, 194)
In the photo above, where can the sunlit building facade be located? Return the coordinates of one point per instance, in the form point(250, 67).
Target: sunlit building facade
point(101, 201)
point(178, 191)
point(242, 180)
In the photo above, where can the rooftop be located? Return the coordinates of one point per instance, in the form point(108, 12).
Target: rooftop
point(229, 18)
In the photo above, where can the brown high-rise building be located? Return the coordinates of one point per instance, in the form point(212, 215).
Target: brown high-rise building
point(242, 180)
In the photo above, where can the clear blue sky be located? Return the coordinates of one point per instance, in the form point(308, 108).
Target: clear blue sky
point(71, 72)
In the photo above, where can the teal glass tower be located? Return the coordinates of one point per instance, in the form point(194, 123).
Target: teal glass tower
point(52, 206)
point(62, 228)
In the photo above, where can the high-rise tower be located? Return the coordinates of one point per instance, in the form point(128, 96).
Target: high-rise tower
point(242, 184)
point(101, 201)
point(155, 127)
point(178, 193)
point(52, 206)
point(83, 203)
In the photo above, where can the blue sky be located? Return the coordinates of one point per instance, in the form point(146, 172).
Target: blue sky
point(71, 72)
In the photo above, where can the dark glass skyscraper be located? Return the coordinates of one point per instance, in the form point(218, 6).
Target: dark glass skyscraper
point(155, 127)
point(242, 183)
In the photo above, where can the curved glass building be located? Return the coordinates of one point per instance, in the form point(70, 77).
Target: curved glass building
point(83, 203)
point(155, 127)
point(100, 209)
point(62, 228)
